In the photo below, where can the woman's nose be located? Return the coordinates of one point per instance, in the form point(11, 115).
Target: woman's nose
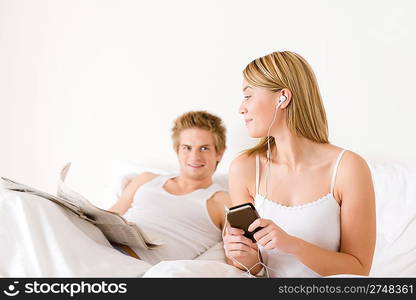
point(242, 109)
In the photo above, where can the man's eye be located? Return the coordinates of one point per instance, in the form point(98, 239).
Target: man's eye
point(186, 147)
point(204, 148)
point(246, 97)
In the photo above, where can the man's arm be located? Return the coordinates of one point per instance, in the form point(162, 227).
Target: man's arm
point(124, 202)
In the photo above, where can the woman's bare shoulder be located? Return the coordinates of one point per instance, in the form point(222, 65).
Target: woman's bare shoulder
point(354, 174)
point(242, 175)
point(350, 160)
point(353, 162)
point(243, 163)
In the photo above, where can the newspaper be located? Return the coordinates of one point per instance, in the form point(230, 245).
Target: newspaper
point(115, 228)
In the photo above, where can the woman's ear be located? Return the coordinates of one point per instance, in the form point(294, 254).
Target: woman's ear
point(288, 94)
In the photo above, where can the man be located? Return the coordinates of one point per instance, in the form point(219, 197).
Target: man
point(185, 209)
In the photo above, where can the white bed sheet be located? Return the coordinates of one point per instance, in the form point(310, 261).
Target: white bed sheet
point(41, 239)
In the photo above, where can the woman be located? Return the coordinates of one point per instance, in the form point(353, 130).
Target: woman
point(316, 200)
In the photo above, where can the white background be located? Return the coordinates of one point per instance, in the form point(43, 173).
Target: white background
point(106, 79)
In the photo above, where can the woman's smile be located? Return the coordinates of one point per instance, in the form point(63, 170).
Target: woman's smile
point(247, 121)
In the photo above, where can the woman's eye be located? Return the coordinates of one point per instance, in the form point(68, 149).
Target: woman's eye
point(204, 148)
point(246, 97)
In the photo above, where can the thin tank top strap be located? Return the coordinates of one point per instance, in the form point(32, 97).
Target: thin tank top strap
point(212, 189)
point(257, 174)
point(163, 178)
point(334, 172)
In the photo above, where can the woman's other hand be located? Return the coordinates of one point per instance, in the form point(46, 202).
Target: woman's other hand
point(272, 236)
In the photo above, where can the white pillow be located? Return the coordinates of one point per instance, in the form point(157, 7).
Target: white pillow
point(395, 191)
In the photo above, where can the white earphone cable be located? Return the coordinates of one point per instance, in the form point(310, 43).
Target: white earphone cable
point(268, 154)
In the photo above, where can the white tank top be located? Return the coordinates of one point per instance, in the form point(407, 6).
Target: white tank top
point(317, 222)
point(181, 221)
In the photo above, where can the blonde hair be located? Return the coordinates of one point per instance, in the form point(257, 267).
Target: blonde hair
point(201, 120)
point(305, 113)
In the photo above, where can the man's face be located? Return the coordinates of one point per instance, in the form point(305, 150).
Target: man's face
point(196, 153)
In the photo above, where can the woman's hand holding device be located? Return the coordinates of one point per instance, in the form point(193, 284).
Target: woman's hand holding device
point(239, 244)
point(247, 229)
point(271, 236)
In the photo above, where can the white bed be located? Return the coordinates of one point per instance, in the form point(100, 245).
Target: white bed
point(40, 239)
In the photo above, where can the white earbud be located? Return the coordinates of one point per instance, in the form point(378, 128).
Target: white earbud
point(282, 99)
